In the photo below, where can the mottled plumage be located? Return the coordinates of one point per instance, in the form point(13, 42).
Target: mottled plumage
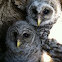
point(29, 48)
point(53, 48)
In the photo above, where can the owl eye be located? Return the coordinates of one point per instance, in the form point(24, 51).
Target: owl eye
point(34, 11)
point(15, 37)
point(15, 34)
point(26, 35)
point(46, 11)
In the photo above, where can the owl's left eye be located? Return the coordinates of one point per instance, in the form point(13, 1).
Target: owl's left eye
point(15, 34)
point(46, 11)
point(34, 10)
point(26, 35)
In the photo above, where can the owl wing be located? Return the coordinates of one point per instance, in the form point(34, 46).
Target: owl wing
point(54, 49)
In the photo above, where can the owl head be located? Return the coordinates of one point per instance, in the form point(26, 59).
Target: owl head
point(42, 12)
point(22, 40)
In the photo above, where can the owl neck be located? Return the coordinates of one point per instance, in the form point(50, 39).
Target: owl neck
point(12, 57)
point(31, 55)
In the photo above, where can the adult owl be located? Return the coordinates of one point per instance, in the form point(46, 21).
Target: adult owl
point(23, 45)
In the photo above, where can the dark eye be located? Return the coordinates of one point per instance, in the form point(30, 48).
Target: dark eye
point(46, 11)
point(34, 10)
point(15, 34)
point(26, 35)
point(15, 37)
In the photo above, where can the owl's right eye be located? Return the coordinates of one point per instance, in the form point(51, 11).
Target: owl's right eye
point(26, 35)
point(46, 11)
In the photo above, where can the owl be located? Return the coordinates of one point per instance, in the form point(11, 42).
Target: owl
point(23, 45)
point(42, 14)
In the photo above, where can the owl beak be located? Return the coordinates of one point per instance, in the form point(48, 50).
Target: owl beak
point(39, 20)
point(18, 43)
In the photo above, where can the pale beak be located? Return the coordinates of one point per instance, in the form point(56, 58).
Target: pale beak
point(18, 43)
point(39, 20)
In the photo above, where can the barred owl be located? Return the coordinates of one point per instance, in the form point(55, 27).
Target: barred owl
point(42, 12)
point(23, 45)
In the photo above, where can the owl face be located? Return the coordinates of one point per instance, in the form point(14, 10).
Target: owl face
point(43, 12)
point(22, 40)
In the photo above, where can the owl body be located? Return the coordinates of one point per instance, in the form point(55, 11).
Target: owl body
point(53, 48)
point(28, 49)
